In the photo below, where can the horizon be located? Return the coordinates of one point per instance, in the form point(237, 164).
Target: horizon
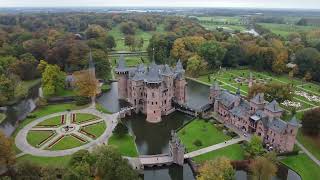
point(234, 4)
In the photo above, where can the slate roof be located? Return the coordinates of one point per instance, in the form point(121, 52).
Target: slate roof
point(179, 67)
point(242, 110)
point(226, 98)
point(278, 125)
point(153, 74)
point(273, 106)
point(294, 121)
point(121, 66)
point(166, 70)
point(258, 99)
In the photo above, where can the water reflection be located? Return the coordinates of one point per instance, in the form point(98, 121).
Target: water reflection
point(173, 172)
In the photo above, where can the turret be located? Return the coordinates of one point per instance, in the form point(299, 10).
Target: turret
point(291, 133)
point(152, 82)
point(273, 110)
point(250, 80)
point(122, 76)
point(180, 84)
point(257, 102)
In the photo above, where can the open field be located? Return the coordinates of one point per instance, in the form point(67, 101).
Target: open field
point(125, 145)
point(200, 130)
point(119, 37)
point(131, 61)
point(234, 78)
point(302, 164)
point(285, 29)
point(233, 152)
point(226, 22)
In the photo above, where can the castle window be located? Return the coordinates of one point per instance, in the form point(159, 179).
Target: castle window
point(165, 101)
point(156, 102)
point(154, 112)
point(291, 131)
point(152, 102)
point(153, 95)
point(141, 94)
point(135, 102)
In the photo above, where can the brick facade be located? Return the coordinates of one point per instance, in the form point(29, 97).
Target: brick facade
point(256, 116)
point(151, 90)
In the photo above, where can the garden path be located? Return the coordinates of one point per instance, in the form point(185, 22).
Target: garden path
point(26, 148)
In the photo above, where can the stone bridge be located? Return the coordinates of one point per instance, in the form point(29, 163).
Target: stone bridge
point(125, 111)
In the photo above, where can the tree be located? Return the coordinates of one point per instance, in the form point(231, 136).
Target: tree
point(87, 85)
point(194, 65)
point(6, 89)
point(37, 47)
point(81, 165)
point(121, 129)
point(311, 122)
point(263, 168)
point(95, 31)
point(128, 28)
point(25, 70)
point(139, 43)
point(53, 80)
point(5, 62)
point(217, 169)
point(110, 42)
point(233, 56)
point(42, 66)
point(307, 76)
point(7, 155)
point(130, 41)
point(213, 53)
point(102, 65)
point(109, 164)
point(272, 91)
point(254, 147)
point(308, 60)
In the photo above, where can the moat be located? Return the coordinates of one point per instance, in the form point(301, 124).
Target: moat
point(153, 138)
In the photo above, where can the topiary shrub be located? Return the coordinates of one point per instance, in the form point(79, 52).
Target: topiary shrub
point(183, 132)
point(80, 100)
point(197, 142)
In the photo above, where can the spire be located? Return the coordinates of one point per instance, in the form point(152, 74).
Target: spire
point(250, 80)
point(294, 121)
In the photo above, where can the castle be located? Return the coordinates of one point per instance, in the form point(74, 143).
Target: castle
point(255, 116)
point(151, 90)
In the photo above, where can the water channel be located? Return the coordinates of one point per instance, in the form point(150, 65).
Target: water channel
point(149, 138)
point(153, 138)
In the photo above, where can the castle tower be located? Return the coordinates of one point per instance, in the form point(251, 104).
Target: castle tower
point(273, 110)
point(153, 92)
point(176, 149)
point(250, 80)
point(180, 84)
point(122, 74)
point(257, 103)
point(168, 89)
point(214, 91)
point(292, 130)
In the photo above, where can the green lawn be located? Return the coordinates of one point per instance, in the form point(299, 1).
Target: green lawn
point(67, 142)
point(126, 145)
point(285, 29)
point(146, 35)
point(96, 129)
point(36, 137)
point(233, 152)
point(206, 132)
point(80, 117)
point(302, 164)
point(102, 109)
point(46, 161)
point(131, 61)
point(65, 93)
point(311, 143)
point(52, 121)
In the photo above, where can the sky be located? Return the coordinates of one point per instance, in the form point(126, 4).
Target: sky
point(297, 4)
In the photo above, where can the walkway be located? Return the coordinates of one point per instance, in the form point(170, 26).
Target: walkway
point(311, 156)
point(213, 147)
point(26, 148)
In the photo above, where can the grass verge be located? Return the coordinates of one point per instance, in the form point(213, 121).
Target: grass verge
point(125, 145)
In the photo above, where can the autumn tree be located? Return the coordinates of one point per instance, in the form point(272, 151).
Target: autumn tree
point(53, 80)
point(102, 65)
point(7, 155)
point(37, 47)
point(95, 31)
point(87, 85)
point(6, 89)
point(213, 53)
point(272, 91)
point(128, 28)
point(263, 168)
point(195, 65)
point(307, 60)
point(218, 169)
point(311, 122)
point(185, 47)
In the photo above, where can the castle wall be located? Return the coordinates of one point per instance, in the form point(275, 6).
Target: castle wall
point(180, 90)
point(153, 110)
point(122, 85)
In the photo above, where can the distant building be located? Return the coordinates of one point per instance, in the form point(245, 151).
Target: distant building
point(151, 90)
point(256, 116)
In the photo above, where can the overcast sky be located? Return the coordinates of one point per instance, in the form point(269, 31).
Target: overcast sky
point(305, 4)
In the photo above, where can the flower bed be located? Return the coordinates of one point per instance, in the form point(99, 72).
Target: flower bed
point(289, 103)
point(309, 97)
point(78, 137)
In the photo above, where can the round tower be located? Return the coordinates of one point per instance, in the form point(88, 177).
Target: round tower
point(122, 77)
